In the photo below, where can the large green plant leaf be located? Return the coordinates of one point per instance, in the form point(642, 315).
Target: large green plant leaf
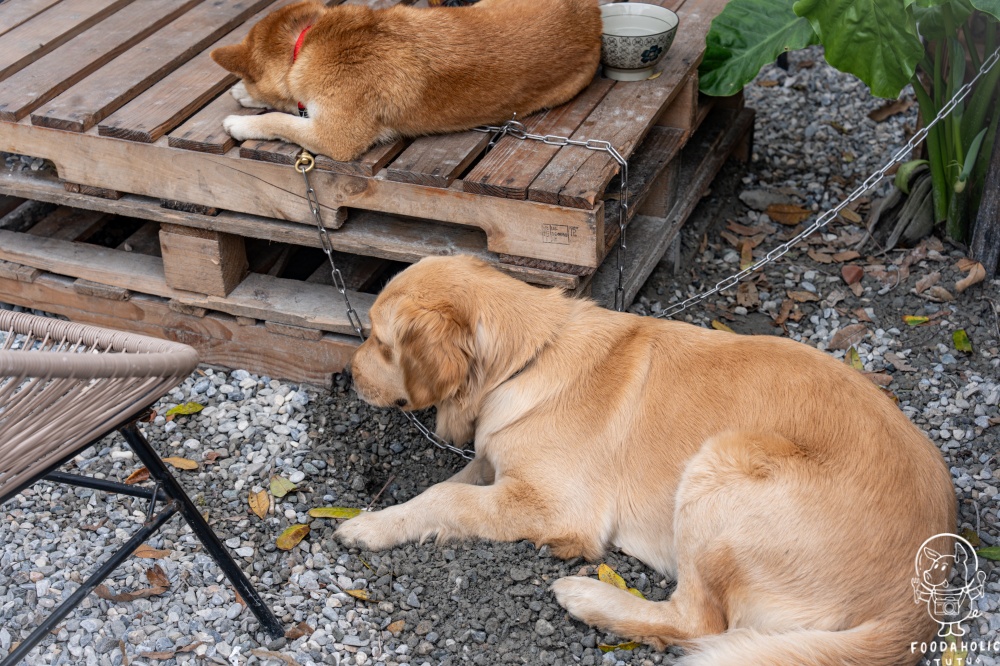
point(991, 7)
point(747, 35)
point(876, 40)
point(930, 17)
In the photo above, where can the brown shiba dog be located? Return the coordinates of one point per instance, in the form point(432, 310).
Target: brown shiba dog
point(369, 75)
point(781, 490)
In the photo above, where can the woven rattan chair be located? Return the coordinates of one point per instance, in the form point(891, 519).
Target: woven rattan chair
point(64, 387)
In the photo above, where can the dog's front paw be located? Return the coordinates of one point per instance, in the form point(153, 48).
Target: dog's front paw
point(241, 128)
point(583, 598)
point(373, 530)
point(240, 93)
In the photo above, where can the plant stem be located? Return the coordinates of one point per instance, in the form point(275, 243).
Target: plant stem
point(971, 46)
point(928, 111)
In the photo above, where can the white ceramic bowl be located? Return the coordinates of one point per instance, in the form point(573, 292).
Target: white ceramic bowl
point(636, 36)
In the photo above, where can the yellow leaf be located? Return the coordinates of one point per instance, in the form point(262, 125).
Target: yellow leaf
point(396, 627)
point(633, 591)
point(292, 536)
point(631, 645)
point(185, 409)
point(280, 486)
point(259, 503)
point(915, 320)
point(655, 76)
point(962, 341)
point(181, 463)
point(719, 326)
point(854, 360)
point(953, 656)
point(608, 575)
point(150, 553)
point(358, 594)
point(334, 512)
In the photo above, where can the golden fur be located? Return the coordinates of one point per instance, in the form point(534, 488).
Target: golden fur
point(785, 494)
point(369, 75)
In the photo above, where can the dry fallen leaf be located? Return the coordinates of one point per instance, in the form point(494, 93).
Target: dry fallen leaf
point(157, 576)
point(211, 456)
point(847, 255)
point(334, 512)
point(890, 109)
point(150, 553)
point(820, 257)
point(786, 309)
point(185, 409)
point(976, 274)
point(181, 463)
point(159, 656)
point(879, 378)
point(862, 315)
point(747, 295)
point(719, 326)
point(396, 627)
point(848, 336)
point(857, 289)
point(271, 654)
point(787, 214)
point(280, 486)
point(359, 594)
point(104, 593)
point(138, 476)
point(746, 255)
point(939, 294)
point(850, 216)
point(259, 503)
point(927, 281)
point(852, 274)
point(298, 631)
point(655, 76)
point(802, 296)
point(899, 362)
point(631, 645)
point(291, 537)
point(915, 320)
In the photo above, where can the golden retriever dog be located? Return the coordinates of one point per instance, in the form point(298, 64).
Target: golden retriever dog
point(785, 494)
point(370, 75)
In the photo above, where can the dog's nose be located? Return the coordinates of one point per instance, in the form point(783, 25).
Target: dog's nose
point(346, 372)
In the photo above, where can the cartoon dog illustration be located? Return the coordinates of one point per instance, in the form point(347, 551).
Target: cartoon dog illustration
point(949, 604)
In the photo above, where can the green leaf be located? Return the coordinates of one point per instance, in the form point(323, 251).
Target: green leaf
point(854, 360)
point(961, 340)
point(185, 409)
point(930, 16)
point(334, 512)
point(991, 7)
point(905, 173)
point(747, 35)
point(280, 486)
point(873, 39)
point(915, 320)
point(970, 158)
point(991, 553)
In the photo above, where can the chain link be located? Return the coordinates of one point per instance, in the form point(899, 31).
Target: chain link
point(827, 217)
point(304, 164)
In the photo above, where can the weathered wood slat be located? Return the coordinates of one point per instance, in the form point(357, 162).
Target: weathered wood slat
point(53, 73)
point(203, 132)
point(512, 164)
point(577, 177)
point(70, 224)
point(145, 240)
point(50, 29)
point(182, 92)
point(16, 12)
point(100, 94)
point(278, 152)
point(219, 339)
point(437, 161)
point(207, 262)
point(371, 234)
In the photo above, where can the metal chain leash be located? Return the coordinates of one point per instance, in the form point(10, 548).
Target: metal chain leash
point(304, 163)
point(516, 129)
point(824, 219)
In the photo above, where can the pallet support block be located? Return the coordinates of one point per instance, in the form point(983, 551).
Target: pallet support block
point(202, 261)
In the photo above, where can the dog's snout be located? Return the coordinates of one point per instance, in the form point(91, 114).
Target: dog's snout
point(346, 372)
point(401, 402)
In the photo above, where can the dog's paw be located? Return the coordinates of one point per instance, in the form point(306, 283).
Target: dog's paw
point(583, 598)
point(371, 530)
point(239, 91)
point(241, 128)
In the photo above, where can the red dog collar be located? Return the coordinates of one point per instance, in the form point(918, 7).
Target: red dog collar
point(295, 55)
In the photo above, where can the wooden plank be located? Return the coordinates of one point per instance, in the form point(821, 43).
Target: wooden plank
point(219, 339)
point(203, 132)
point(370, 234)
point(298, 332)
point(182, 92)
point(16, 12)
point(93, 191)
point(278, 152)
point(19, 272)
point(228, 182)
point(578, 177)
point(682, 113)
point(436, 161)
point(103, 92)
point(207, 262)
point(649, 237)
point(53, 73)
point(8, 204)
point(72, 224)
point(50, 29)
point(359, 272)
point(145, 240)
point(88, 288)
point(511, 166)
point(260, 296)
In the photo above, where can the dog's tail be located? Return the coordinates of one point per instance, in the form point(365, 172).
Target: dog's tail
point(875, 642)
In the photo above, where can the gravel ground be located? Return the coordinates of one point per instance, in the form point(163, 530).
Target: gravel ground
point(479, 602)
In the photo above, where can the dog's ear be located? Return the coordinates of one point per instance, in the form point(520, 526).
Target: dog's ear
point(234, 58)
point(931, 554)
point(435, 354)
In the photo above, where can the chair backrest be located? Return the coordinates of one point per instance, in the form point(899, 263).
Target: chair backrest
point(64, 385)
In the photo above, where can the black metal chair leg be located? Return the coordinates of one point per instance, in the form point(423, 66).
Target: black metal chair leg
point(66, 607)
point(208, 538)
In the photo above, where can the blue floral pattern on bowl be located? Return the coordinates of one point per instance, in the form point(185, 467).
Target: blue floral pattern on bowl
point(635, 52)
point(652, 54)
